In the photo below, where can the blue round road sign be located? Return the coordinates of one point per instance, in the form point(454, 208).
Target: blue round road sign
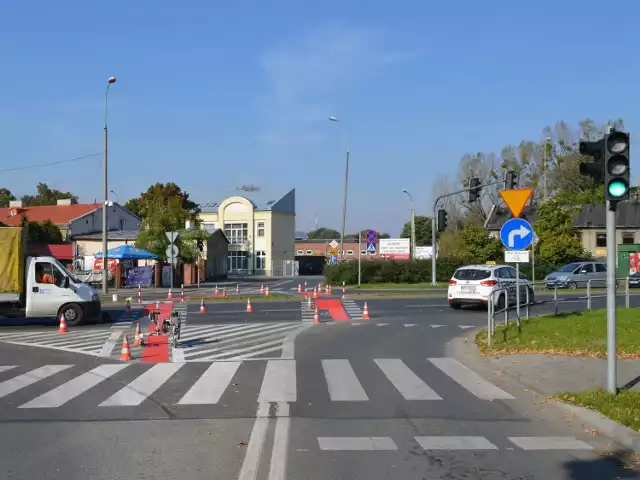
point(516, 234)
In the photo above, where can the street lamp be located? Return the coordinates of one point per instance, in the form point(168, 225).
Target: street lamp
point(105, 229)
point(413, 224)
point(344, 203)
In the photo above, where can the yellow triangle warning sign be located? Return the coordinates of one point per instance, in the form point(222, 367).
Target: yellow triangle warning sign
point(516, 200)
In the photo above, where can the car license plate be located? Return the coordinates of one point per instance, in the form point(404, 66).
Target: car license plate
point(468, 289)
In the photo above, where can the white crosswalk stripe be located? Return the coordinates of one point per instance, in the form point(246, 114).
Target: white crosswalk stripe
point(352, 309)
point(88, 342)
point(142, 387)
point(306, 314)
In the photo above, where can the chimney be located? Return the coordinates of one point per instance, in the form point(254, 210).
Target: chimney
point(15, 204)
point(66, 201)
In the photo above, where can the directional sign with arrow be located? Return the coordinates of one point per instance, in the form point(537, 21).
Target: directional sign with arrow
point(516, 234)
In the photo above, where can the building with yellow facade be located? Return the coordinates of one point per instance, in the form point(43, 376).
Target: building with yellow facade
point(260, 231)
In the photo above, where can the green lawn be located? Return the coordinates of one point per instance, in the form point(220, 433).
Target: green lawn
point(623, 408)
point(383, 286)
point(392, 293)
point(581, 334)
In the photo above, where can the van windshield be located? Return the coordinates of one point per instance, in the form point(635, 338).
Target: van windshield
point(569, 268)
point(471, 274)
point(71, 276)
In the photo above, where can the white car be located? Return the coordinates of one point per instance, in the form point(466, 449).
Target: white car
point(472, 285)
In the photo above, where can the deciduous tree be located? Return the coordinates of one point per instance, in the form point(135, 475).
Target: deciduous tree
point(423, 230)
point(5, 197)
point(323, 233)
point(559, 241)
point(46, 196)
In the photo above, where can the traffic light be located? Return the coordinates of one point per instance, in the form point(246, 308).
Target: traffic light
point(510, 180)
point(442, 220)
point(617, 163)
point(593, 169)
point(200, 245)
point(474, 185)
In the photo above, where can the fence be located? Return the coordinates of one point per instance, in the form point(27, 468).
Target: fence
point(591, 293)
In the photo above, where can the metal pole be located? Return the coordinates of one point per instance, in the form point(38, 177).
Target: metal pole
point(434, 248)
point(612, 374)
point(344, 204)
point(359, 257)
point(105, 229)
point(413, 232)
point(517, 294)
point(544, 170)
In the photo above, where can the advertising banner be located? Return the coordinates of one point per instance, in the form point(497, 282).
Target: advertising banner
point(395, 248)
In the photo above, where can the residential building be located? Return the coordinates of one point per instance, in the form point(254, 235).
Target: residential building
point(590, 223)
point(88, 244)
point(319, 247)
point(260, 230)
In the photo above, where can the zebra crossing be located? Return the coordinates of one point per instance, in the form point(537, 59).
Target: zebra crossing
point(306, 314)
point(352, 309)
point(86, 341)
point(137, 383)
point(237, 341)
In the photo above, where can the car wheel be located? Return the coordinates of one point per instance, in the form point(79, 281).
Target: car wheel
point(73, 314)
point(572, 285)
point(455, 305)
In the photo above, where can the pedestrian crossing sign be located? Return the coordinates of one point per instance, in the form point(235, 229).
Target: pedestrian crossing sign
point(371, 247)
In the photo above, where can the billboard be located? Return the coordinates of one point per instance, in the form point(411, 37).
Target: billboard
point(395, 248)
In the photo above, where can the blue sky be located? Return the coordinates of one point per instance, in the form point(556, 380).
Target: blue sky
point(213, 95)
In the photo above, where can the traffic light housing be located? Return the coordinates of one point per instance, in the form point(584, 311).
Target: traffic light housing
point(442, 220)
point(593, 169)
point(617, 164)
point(510, 180)
point(200, 245)
point(474, 185)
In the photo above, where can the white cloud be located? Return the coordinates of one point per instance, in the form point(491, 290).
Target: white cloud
point(305, 72)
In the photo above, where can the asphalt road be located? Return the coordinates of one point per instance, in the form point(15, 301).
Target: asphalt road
point(269, 394)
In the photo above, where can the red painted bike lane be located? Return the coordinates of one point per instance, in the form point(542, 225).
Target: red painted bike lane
point(156, 348)
point(334, 306)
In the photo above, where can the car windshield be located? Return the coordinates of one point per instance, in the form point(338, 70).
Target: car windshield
point(471, 274)
point(569, 268)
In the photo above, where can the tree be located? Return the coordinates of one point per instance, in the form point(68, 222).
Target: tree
point(5, 197)
point(46, 196)
point(423, 230)
point(44, 233)
point(163, 208)
point(354, 236)
point(323, 233)
point(477, 246)
point(188, 244)
point(559, 242)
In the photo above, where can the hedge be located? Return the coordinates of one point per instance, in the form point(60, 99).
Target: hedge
point(407, 271)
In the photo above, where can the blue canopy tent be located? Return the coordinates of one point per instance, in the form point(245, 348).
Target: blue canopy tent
point(128, 252)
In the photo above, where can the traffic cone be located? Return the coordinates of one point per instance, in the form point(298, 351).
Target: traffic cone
point(266, 292)
point(215, 291)
point(169, 294)
point(224, 292)
point(157, 305)
point(202, 309)
point(125, 353)
point(299, 288)
point(365, 312)
point(249, 309)
point(137, 340)
point(237, 289)
point(315, 292)
point(309, 303)
point(63, 325)
point(316, 316)
point(326, 290)
point(139, 294)
point(262, 288)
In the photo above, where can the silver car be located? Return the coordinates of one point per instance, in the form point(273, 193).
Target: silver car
point(578, 274)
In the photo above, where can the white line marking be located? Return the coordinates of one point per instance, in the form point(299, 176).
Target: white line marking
point(279, 383)
point(455, 443)
point(426, 306)
point(238, 351)
point(470, 380)
point(381, 324)
point(4, 368)
point(73, 388)
point(109, 345)
point(356, 443)
point(550, 443)
point(21, 381)
point(405, 380)
point(464, 327)
point(246, 340)
point(139, 389)
point(436, 326)
point(409, 324)
point(63, 349)
point(247, 356)
point(342, 381)
point(278, 466)
point(211, 384)
point(249, 470)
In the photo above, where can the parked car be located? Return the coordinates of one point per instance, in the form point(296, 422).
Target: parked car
point(578, 274)
point(634, 280)
point(473, 285)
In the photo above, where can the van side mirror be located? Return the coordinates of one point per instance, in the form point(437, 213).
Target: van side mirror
point(65, 283)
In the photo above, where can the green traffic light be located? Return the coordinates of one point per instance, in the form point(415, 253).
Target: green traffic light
point(617, 188)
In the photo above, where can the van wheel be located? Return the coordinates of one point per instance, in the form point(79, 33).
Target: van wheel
point(455, 305)
point(73, 314)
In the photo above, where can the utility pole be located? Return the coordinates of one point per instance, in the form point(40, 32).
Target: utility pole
point(413, 225)
point(105, 186)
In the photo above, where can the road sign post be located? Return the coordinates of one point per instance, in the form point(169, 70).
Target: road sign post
point(612, 345)
point(172, 251)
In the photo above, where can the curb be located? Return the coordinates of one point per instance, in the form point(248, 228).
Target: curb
point(615, 431)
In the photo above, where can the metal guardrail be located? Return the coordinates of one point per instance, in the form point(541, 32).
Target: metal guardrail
point(495, 295)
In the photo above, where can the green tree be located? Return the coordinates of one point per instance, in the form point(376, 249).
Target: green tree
point(44, 233)
point(163, 208)
point(323, 233)
point(46, 196)
point(354, 236)
point(188, 244)
point(5, 197)
point(423, 230)
point(477, 246)
point(559, 241)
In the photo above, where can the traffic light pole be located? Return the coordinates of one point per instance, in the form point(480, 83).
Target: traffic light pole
point(612, 365)
point(434, 228)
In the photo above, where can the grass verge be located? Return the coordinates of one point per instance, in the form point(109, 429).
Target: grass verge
point(418, 293)
point(579, 334)
point(623, 408)
point(279, 297)
point(397, 286)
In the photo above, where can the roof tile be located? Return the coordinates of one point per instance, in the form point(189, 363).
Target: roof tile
point(57, 214)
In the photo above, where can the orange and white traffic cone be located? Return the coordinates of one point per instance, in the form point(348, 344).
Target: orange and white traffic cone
point(249, 309)
point(309, 303)
point(266, 292)
point(299, 288)
point(139, 294)
point(202, 309)
point(224, 292)
point(63, 325)
point(169, 294)
point(215, 291)
point(125, 353)
point(237, 289)
point(365, 312)
point(137, 340)
point(316, 316)
point(315, 292)
point(262, 288)
point(326, 290)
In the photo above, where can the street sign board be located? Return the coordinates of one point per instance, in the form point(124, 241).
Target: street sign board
point(371, 236)
point(333, 244)
point(371, 247)
point(172, 253)
point(516, 200)
point(516, 256)
point(516, 234)
point(333, 252)
point(172, 236)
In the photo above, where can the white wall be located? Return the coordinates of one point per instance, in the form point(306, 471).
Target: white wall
point(92, 222)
